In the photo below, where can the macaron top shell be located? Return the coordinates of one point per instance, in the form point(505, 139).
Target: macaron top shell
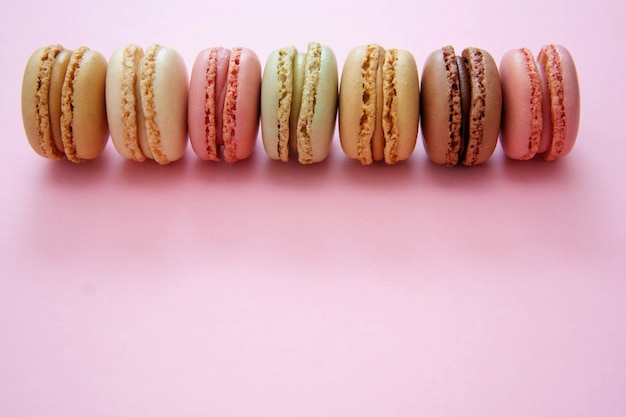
point(561, 101)
point(223, 107)
point(121, 99)
point(162, 113)
point(400, 116)
point(84, 127)
point(318, 106)
point(241, 104)
point(485, 105)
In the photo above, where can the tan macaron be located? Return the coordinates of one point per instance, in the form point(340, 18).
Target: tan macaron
point(379, 104)
point(63, 104)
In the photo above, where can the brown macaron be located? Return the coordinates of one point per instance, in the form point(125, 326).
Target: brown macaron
point(63, 104)
point(379, 104)
point(461, 103)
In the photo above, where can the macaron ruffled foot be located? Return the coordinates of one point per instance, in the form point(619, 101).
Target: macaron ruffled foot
point(379, 104)
point(63, 106)
point(299, 103)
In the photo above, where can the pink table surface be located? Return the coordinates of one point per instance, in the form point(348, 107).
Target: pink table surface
point(270, 289)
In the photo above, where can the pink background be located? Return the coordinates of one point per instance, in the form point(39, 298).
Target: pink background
point(270, 289)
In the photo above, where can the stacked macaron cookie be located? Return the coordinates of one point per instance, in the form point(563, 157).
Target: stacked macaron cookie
point(63, 106)
point(379, 104)
point(72, 100)
point(146, 96)
point(223, 103)
point(299, 103)
point(461, 105)
point(541, 110)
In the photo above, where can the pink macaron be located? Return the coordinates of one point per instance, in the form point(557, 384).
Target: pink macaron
point(541, 103)
point(223, 107)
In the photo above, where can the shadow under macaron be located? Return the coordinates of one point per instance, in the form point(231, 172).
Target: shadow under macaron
point(242, 171)
point(66, 174)
point(293, 174)
point(538, 171)
point(149, 173)
point(379, 174)
point(468, 178)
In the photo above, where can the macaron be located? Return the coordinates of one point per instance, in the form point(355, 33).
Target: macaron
point(299, 103)
point(146, 98)
point(461, 105)
point(541, 110)
point(379, 104)
point(224, 100)
point(63, 106)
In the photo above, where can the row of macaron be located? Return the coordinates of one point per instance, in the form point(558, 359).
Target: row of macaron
point(72, 101)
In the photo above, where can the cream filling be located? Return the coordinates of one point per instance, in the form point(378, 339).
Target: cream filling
point(367, 123)
point(299, 69)
point(390, 107)
point(130, 59)
point(285, 85)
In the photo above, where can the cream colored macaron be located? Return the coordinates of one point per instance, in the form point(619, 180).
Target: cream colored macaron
point(379, 104)
point(146, 97)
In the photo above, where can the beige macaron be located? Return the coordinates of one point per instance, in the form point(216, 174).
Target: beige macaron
point(63, 104)
point(379, 104)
